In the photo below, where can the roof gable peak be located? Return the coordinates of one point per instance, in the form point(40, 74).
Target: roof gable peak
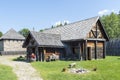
point(12, 34)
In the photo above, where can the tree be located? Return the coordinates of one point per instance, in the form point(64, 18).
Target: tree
point(24, 32)
point(1, 33)
point(65, 23)
point(59, 24)
point(41, 30)
point(111, 23)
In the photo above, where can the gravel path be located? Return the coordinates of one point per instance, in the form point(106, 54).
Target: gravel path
point(23, 70)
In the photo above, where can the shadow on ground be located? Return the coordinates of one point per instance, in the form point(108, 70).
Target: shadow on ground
point(20, 58)
point(119, 58)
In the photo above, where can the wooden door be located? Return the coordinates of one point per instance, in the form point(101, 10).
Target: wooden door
point(89, 53)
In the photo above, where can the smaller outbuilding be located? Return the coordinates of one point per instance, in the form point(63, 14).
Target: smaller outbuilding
point(11, 43)
point(43, 45)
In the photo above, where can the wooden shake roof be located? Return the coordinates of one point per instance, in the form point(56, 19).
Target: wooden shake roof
point(12, 34)
point(74, 31)
point(45, 39)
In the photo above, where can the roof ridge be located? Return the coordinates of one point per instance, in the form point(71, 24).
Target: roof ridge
point(45, 33)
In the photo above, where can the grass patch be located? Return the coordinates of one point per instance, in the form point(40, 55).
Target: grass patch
point(107, 69)
point(6, 73)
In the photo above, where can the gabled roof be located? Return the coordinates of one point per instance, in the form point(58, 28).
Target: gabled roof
point(46, 40)
point(12, 34)
point(74, 31)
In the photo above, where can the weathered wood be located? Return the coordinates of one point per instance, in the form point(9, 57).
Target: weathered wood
point(113, 47)
point(96, 30)
point(104, 50)
point(79, 52)
point(37, 53)
point(89, 53)
point(40, 54)
point(93, 33)
point(85, 48)
point(95, 49)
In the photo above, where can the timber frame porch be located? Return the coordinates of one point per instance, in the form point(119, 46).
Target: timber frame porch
point(42, 53)
point(86, 51)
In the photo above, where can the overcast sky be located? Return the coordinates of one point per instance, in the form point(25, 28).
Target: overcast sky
point(40, 14)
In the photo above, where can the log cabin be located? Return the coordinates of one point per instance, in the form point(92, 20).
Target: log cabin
point(82, 40)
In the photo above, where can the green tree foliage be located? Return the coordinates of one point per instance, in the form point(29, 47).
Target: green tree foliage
point(111, 23)
point(24, 32)
point(1, 33)
point(41, 30)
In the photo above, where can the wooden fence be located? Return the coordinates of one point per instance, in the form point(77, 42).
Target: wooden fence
point(113, 47)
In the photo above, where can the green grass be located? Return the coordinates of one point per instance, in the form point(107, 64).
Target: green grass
point(6, 73)
point(107, 69)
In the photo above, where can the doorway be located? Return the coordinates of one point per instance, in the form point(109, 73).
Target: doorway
point(41, 54)
point(89, 53)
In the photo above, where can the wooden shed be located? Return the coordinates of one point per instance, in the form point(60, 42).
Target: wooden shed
point(82, 40)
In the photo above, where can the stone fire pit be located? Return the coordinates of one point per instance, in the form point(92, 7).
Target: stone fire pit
point(79, 70)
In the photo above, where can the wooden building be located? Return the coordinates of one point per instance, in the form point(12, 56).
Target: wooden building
point(43, 45)
point(82, 40)
point(11, 43)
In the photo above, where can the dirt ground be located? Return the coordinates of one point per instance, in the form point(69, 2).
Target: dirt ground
point(23, 70)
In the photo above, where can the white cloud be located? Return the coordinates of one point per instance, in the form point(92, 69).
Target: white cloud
point(115, 11)
point(66, 21)
point(58, 23)
point(102, 12)
point(106, 11)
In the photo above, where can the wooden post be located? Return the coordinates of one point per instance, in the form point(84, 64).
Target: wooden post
point(79, 52)
point(41, 55)
point(44, 52)
point(82, 50)
point(95, 49)
point(104, 49)
point(85, 48)
point(28, 54)
point(96, 30)
point(37, 56)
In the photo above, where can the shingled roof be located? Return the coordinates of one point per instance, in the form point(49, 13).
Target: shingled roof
point(74, 31)
point(12, 34)
point(45, 39)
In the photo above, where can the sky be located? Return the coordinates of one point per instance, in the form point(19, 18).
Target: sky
point(41, 14)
